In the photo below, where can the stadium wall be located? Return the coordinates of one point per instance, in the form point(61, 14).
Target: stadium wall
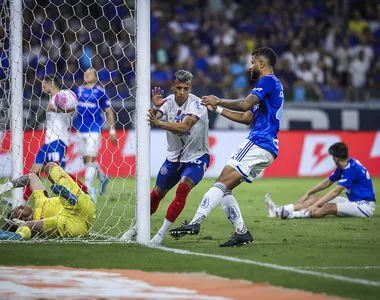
point(302, 153)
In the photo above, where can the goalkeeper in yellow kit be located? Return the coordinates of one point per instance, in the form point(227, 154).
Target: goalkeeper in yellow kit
point(71, 214)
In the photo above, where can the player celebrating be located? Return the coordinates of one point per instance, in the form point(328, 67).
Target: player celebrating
point(92, 101)
point(71, 214)
point(255, 153)
point(351, 176)
point(186, 125)
point(58, 124)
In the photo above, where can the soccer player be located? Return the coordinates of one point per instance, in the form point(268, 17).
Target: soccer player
point(71, 214)
point(255, 153)
point(186, 125)
point(92, 102)
point(351, 175)
point(58, 124)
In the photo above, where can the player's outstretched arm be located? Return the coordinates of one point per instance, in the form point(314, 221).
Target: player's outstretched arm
point(328, 197)
point(181, 127)
point(239, 117)
point(239, 105)
point(31, 180)
point(324, 184)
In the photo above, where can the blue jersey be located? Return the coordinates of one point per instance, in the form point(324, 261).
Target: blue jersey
point(267, 113)
point(92, 102)
point(356, 180)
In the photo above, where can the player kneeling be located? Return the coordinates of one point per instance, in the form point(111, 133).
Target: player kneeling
point(71, 214)
point(351, 176)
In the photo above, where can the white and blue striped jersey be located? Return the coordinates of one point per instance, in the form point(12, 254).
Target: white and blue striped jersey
point(92, 102)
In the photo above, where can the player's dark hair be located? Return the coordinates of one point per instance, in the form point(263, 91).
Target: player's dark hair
point(183, 76)
point(339, 150)
point(268, 53)
point(53, 80)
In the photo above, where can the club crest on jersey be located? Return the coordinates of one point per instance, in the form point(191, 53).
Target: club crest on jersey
point(205, 202)
point(164, 170)
point(233, 213)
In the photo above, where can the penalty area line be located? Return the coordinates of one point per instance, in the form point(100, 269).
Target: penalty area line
point(298, 270)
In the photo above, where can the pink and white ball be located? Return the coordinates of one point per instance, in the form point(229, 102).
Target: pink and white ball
point(66, 100)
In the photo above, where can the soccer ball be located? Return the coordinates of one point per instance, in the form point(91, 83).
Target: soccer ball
point(66, 100)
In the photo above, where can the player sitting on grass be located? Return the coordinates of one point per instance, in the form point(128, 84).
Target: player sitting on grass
point(186, 125)
point(71, 214)
point(351, 176)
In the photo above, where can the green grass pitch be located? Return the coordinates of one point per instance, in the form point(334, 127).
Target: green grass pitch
point(328, 242)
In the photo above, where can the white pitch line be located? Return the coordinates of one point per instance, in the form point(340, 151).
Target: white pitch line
point(273, 266)
point(340, 268)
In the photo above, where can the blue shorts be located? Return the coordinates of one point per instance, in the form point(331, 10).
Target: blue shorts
point(53, 152)
point(172, 172)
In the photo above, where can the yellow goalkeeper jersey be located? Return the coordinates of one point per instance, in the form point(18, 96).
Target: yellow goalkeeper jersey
point(46, 207)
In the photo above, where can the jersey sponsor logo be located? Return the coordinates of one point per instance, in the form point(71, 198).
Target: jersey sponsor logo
point(315, 159)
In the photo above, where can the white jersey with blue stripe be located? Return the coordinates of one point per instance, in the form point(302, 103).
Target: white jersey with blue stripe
point(356, 180)
point(186, 147)
point(57, 125)
point(267, 113)
point(92, 102)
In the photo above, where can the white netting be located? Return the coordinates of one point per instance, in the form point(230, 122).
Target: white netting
point(61, 39)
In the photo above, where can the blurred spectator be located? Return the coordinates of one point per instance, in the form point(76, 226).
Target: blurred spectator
point(332, 92)
point(357, 24)
point(358, 70)
point(342, 55)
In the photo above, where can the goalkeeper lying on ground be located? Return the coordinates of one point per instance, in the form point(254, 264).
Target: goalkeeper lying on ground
point(71, 214)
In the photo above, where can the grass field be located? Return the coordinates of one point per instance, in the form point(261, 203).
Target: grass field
point(327, 246)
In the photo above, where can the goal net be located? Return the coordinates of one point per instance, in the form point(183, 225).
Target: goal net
point(61, 40)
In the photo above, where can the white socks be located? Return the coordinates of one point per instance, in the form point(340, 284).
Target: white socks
point(209, 202)
point(90, 174)
point(289, 207)
point(100, 173)
point(232, 210)
point(301, 214)
point(165, 227)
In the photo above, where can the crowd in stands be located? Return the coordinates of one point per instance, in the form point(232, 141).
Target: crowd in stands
point(328, 50)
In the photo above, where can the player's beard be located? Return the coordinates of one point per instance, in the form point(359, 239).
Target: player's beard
point(255, 74)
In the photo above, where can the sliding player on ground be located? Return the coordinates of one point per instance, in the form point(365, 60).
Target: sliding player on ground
point(71, 214)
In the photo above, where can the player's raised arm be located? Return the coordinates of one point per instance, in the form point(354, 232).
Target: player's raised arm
point(239, 117)
point(158, 101)
point(239, 105)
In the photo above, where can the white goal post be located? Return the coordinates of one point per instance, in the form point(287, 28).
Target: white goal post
point(112, 220)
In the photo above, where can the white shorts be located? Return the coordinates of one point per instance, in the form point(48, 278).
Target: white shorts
point(347, 208)
point(250, 160)
point(89, 143)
